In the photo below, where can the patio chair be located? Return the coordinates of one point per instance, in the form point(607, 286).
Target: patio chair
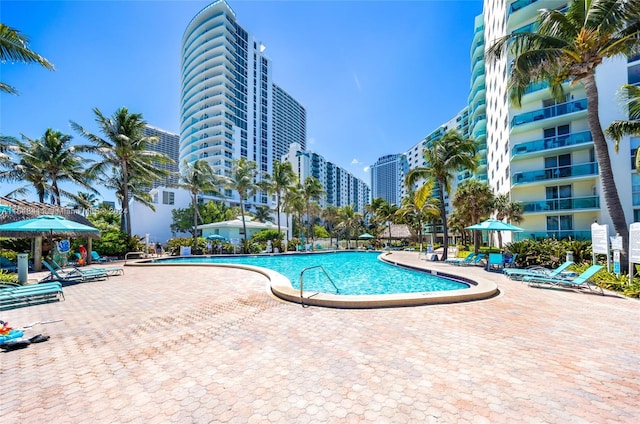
point(510, 261)
point(18, 296)
point(475, 261)
point(579, 282)
point(62, 277)
point(97, 258)
point(73, 276)
point(7, 265)
point(92, 272)
point(495, 262)
point(467, 258)
point(519, 273)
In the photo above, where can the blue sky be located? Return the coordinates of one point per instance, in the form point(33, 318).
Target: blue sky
point(374, 76)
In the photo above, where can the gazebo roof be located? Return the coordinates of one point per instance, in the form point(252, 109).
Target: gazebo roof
point(22, 209)
point(398, 232)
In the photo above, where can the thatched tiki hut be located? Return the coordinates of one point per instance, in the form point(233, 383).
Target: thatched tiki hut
point(12, 210)
point(398, 232)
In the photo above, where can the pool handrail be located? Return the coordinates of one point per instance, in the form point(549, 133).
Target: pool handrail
point(325, 273)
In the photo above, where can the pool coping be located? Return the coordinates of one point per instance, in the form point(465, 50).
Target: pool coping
point(479, 288)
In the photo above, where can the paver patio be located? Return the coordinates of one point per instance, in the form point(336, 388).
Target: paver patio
point(200, 345)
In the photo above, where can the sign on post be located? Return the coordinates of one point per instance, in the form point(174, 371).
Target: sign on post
point(616, 245)
point(634, 248)
point(600, 242)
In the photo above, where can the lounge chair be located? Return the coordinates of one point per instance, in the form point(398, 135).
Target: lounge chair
point(474, 261)
point(519, 273)
point(92, 272)
point(495, 262)
point(97, 258)
point(7, 265)
point(17, 296)
point(467, 258)
point(579, 282)
point(63, 276)
point(509, 262)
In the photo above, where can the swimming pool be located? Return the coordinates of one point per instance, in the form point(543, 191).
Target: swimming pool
point(353, 273)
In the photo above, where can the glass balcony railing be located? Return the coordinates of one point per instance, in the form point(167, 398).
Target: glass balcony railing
point(536, 86)
point(565, 204)
point(517, 5)
point(556, 234)
point(635, 194)
point(552, 143)
point(571, 171)
point(549, 112)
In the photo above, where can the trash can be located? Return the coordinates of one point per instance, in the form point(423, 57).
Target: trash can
point(23, 267)
point(569, 256)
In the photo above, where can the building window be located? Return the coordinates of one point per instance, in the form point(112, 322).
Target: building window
point(168, 198)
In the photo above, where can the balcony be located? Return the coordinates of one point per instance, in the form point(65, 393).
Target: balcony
point(551, 143)
point(561, 172)
point(556, 234)
point(549, 112)
point(517, 5)
point(564, 204)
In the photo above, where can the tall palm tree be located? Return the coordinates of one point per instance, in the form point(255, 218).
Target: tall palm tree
point(14, 47)
point(60, 161)
point(445, 157)
point(282, 179)
point(474, 199)
point(19, 165)
point(84, 201)
point(506, 209)
point(124, 156)
point(349, 221)
point(330, 217)
point(293, 203)
point(571, 45)
point(262, 214)
point(617, 129)
point(311, 190)
point(198, 177)
point(385, 215)
point(243, 181)
point(417, 207)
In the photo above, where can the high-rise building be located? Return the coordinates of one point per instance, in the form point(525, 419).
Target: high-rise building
point(542, 152)
point(387, 176)
point(341, 187)
point(168, 143)
point(289, 122)
point(226, 101)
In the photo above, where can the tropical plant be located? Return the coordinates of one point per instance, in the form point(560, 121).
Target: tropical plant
point(570, 46)
point(279, 183)
point(617, 129)
point(243, 181)
point(330, 217)
point(125, 163)
point(445, 157)
point(349, 221)
point(417, 207)
point(14, 47)
point(84, 202)
point(505, 209)
point(474, 199)
point(198, 177)
point(262, 213)
point(293, 204)
point(311, 190)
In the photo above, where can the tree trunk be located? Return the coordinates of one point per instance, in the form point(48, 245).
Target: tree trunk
point(609, 189)
point(278, 211)
point(125, 225)
point(244, 224)
point(445, 229)
point(194, 202)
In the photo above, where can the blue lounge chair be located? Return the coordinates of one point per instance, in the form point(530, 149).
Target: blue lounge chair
point(519, 274)
point(89, 272)
point(97, 258)
point(69, 277)
point(7, 265)
point(579, 282)
point(474, 261)
point(467, 258)
point(17, 296)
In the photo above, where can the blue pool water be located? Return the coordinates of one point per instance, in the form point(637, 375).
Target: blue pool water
point(354, 273)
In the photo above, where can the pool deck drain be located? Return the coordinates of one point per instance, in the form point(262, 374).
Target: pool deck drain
point(199, 345)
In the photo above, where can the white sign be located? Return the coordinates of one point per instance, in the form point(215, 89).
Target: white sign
point(616, 243)
point(634, 243)
point(600, 238)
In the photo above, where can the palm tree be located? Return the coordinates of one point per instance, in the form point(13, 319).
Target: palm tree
point(292, 203)
point(124, 153)
point(475, 200)
point(507, 210)
point(618, 129)
point(14, 47)
point(348, 220)
point(385, 214)
point(570, 46)
point(198, 177)
point(60, 161)
point(311, 190)
point(330, 217)
point(417, 207)
point(84, 201)
point(445, 157)
point(263, 214)
point(243, 181)
point(280, 182)
point(23, 168)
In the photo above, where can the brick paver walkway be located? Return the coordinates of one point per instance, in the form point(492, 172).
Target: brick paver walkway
point(204, 345)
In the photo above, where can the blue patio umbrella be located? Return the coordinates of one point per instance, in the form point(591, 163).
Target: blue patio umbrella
point(492, 224)
point(366, 236)
point(215, 237)
point(45, 225)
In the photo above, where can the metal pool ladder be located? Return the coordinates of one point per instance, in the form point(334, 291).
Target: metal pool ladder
point(325, 273)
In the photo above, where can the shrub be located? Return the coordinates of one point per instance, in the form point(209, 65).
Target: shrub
point(6, 277)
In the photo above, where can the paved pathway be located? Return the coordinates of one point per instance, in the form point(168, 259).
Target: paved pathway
point(198, 345)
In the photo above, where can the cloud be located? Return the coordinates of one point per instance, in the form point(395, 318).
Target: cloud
point(356, 162)
point(366, 169)
point(357, 81)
